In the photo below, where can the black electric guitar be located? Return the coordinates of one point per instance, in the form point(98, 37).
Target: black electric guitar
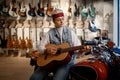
point(5, 9)
point(77, 10)
point(40, 10)
point(31, 12)
point(62, 56)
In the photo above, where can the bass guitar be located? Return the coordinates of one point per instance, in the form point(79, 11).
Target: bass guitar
point(62, 56)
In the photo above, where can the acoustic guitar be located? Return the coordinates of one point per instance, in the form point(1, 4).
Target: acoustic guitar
point(62, 56)
point(29, 43)
point(9, 43)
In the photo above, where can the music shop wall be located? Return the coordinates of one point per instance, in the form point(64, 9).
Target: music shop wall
point(30, 29)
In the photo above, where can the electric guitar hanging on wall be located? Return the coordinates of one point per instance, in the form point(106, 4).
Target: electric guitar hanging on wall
point(5, 9)
point(31, 12)
point(13, 9)
point(40, 10)
point(69, 10)
point(49, 8)
point(22, 10)
point(77, 10)
point(92, 10)
point(92, 26)
point(84, 12)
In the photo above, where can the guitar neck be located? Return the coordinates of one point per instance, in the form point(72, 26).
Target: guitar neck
point(70, 49)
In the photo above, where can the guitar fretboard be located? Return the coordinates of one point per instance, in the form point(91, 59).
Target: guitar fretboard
point(70, 49)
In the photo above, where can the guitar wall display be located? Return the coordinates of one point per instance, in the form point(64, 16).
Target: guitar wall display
point(84, 9)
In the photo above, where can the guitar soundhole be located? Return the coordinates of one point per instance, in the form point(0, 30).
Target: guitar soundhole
point(59, 51)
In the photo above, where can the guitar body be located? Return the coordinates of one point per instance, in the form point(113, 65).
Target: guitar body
point(92, 11)
point(84, 13)
point(40, 11)
point(77, 11)
point(52, 60)
point(22, 13)
point(49, 11)
point(22, 10)
point(92, 27)
point(31, 12)
point(13, 9)
point(5, 9)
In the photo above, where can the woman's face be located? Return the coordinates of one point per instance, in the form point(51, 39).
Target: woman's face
point(59, 22)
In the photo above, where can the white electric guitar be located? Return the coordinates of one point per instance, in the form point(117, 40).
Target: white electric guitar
point(13, 9)
point(22, 10)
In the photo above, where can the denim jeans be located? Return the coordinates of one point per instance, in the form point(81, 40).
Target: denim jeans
point(61, 72)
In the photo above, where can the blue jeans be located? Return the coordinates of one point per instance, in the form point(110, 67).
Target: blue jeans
point(61, 72)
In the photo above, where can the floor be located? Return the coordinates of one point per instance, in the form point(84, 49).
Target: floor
point(15, 68)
